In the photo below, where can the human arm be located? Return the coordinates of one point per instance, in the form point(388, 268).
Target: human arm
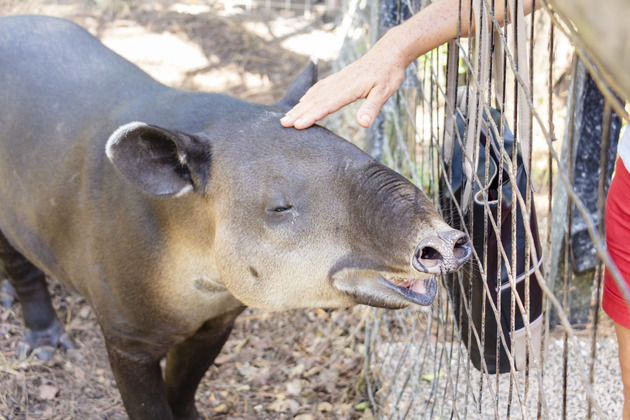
point(376, 76)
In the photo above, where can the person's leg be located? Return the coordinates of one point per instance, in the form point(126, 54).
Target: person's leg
point(623, 337)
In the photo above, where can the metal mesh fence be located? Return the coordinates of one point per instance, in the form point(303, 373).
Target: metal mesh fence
point(534, 208)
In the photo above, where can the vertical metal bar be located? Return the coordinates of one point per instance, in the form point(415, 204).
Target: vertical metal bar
point(567, 266)
point(601, 205)
point(452, 78)
point(468, 279)
point(500, 169)
point(514, 213)
point(550, 122)
point(528, 205)
point(483, 32)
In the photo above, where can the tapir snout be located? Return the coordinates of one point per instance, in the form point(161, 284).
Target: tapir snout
point(442, 253)
point(437, 254)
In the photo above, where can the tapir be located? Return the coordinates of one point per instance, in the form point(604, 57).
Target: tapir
point(171, 211)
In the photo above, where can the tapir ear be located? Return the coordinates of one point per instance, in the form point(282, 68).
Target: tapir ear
point(300, 85)
point(161, 162)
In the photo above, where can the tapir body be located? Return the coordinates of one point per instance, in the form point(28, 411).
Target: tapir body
point(169, 211)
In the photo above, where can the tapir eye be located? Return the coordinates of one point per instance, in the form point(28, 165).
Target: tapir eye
point(280, 212)
point(283, 209)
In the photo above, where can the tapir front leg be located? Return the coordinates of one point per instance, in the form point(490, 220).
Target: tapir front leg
point(187, 363)
point(43, 331)
point(140, 384)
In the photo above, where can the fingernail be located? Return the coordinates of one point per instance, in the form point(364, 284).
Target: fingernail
point(364, 119)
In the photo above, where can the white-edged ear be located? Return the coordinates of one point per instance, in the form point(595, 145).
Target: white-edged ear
point(154, 158)
point(120, 132)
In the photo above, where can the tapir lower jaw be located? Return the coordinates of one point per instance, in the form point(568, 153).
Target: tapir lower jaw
point(387, 291)
point(421, 292)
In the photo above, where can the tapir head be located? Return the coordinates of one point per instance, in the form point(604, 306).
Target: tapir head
point(294, 218)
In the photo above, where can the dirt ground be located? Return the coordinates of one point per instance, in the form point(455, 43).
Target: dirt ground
point(302, 364)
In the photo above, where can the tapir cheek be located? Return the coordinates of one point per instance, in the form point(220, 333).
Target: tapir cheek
point(270, 279)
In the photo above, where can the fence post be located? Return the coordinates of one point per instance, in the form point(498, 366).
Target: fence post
point(585, 127)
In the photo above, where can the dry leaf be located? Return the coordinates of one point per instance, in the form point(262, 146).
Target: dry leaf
point(84, 312)
point(322, 314)
point(261, 376)
point(282, 406)
point(263, 343)
point(47, 392)
point(221, 409)
point(294, 387)
point(246, 369)
point(325, 407)
point(297, 370)
point(79, 373)
point(367, 415)
point(222, 358)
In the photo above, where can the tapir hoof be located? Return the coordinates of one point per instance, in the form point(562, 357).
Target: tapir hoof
point(43, 343)
point(8, 294)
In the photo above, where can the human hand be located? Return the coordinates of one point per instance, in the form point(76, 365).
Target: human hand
point(374, 77)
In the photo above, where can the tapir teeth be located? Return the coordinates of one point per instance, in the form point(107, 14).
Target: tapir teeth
point(420, 291)
point(400, 282)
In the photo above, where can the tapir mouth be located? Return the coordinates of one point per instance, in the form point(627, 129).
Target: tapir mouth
point(420, 291)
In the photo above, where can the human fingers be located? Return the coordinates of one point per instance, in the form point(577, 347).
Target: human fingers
point(377, 96)
point(303, 115)
point(371, 107)
point(322, 99)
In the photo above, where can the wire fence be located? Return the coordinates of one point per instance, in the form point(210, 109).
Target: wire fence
point(528, 302)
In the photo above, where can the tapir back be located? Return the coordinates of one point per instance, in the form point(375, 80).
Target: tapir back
point(59, 88)
point(63, 205)
point(62, 93)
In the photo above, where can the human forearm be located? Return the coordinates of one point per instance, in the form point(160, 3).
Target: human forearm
point(437, 24)
point(376, 76)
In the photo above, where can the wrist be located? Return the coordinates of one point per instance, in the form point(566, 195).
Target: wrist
point(398, 45)
point(427, 29)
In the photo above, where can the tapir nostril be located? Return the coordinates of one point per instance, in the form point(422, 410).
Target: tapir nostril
point(462, 249)
point(427, 258)
point(428, 253)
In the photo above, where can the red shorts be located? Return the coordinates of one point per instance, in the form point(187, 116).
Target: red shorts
point(617, 221)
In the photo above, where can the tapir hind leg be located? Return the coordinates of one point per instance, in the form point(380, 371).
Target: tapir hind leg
point(43, 331)
point(187, 363)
